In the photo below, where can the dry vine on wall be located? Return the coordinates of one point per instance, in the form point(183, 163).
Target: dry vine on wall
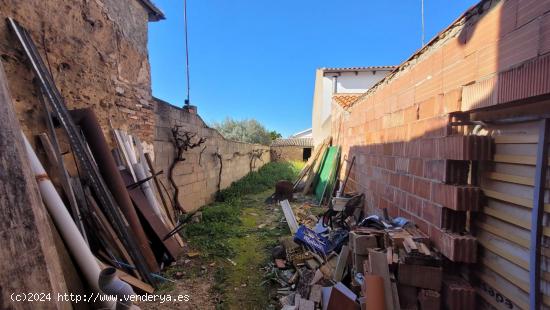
point(256, 155)
point(183, 141)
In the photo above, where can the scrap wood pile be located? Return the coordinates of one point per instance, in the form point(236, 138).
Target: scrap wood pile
point(105, 202)
point(380, 263)
point(318, 177)
point(346, 260)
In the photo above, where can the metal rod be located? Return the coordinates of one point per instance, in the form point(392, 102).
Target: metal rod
point(90, 173)
point(536, 216)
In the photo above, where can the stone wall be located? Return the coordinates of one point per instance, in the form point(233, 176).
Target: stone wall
point(198, 176)
point(409, 159)
point(97, 52)
point(286, 153)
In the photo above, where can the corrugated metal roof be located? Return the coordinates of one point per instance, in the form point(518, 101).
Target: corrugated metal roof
point(354, 69)
point(155, 14)
point(302, 142)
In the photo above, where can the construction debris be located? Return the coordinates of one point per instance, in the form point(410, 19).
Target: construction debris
point(349, 261)
point(118, 221)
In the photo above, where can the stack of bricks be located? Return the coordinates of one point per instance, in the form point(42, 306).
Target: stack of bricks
point(359, 244)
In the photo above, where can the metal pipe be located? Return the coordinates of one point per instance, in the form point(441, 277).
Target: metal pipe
point(89, 124)
point(64, 223)
point(537, 214)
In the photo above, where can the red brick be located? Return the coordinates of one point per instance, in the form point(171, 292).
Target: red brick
point(453, 221)
point(447, 171)
point(432, 213)
point(406, 183)
point(416, 167)
point(414, 205)
point(452, 100)
point(427, 148)
point(420, 276)
point(520, 45)
point(458, 294)
point(545, 34)
point(394, 179)
point(530, 9)
point(426, 109)
point(422, 188)
point(408, 296)
point(429, 300)
point(457, 248)
point(459, 198)
point(460, 147)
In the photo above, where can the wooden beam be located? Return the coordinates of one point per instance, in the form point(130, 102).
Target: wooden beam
point(516, 139)
point(378, 265)
point(524, 202)
point(29, 261)
point(515, 159)
point(510, 178)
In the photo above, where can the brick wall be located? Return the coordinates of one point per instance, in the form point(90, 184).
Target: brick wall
point(198, 176)
point(97, 52)
point(408, 158)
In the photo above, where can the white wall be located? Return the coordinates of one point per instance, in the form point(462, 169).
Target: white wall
point(349, 82)
point(346, 83)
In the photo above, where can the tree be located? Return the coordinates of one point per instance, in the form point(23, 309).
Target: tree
point(275, 135)
point(246, 130)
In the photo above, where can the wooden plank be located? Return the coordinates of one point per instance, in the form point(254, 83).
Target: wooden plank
point(29, 261)
point(504, 234)
point(94, 208)
point(524, 202)
point(511, 219)
point(510, 178)
point(341, 265)
point(156, 224)
point(166, 203)
point(511, 258)
point(516, 139)
point(515, 159)
point(503, 291)
point(378, 265)
point(312, 175)
point(289, 216)
point(519, 282)
point(138, 285)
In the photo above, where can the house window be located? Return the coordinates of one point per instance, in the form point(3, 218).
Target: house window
point(306, 153)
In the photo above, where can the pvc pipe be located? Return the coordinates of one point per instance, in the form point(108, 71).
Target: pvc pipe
point(110, 284)
point(64, 223)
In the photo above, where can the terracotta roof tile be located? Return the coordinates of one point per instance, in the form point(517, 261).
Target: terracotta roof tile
point(345, 100)
point(303, 142)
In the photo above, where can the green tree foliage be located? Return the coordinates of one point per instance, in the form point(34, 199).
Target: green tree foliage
point(275, 135)
point(246, 130)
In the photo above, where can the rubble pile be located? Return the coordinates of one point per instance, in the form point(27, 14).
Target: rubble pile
point(379, 263)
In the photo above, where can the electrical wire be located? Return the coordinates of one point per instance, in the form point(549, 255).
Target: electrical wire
point(187, 101)
point(422, 13)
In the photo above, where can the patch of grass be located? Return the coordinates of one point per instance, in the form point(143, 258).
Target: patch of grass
point(229, 229)
point(261, 180)
point(222, 220)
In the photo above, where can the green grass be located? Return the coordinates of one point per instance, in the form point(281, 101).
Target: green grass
point(229, 229)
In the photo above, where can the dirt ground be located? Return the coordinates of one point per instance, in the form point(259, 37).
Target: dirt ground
point(235, 283)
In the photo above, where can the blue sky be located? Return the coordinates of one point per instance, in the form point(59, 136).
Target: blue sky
point(257, 58)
